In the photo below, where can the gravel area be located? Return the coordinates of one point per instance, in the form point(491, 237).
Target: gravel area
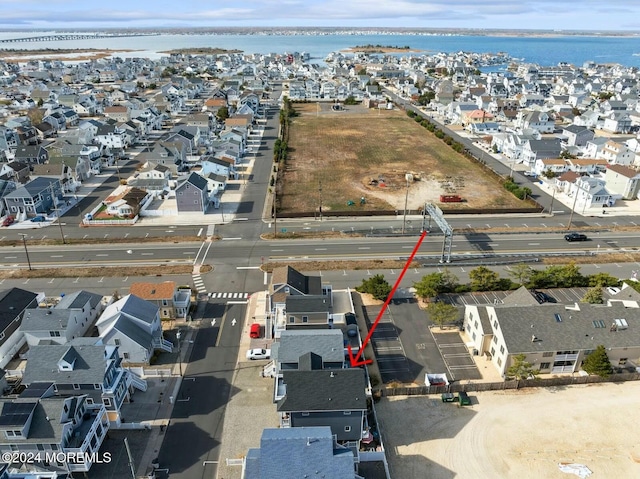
point(524, 434)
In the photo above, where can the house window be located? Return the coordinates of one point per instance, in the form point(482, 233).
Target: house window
point(96, 386)
point(165, 302)
point(89, 401)
point(468, 327)
point(495, 324)
point(76, 386)
point(347, 429)
point(116, 342)
point(292, 319)
point(493, 351)
point(305, 319)
point(547, 354)
point(475, 325)
point(106, 402)
point(499, 361)
point(125, 355)
point(495, 339)
point(54, 334)
point(622, 361)
point(501, 349)
point(545, 365)
point(473, 336)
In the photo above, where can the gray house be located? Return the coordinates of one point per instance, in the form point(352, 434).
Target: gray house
point(37, 422)
point(133, 324)
point(334, 398)
point(14, 303)
point(85, 367)
point(38, 196)
point(292, 453)
point(191, 194)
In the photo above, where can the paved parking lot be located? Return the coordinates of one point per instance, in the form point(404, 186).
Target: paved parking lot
point(455, 353)
point(561, 295)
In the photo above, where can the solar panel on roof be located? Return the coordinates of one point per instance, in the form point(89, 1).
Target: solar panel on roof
point(16, 414)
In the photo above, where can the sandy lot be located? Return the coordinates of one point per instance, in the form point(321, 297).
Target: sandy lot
point(340, 157)
point(523, 434)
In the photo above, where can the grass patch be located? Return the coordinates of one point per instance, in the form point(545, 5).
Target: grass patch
point(106, 271)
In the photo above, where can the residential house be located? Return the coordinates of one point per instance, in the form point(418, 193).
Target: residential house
point(591, 193)
point(111, 136)
point(540, 149)
point(216, 183)
point(133, 325)
point(70, 426)
point(119, 113)
point(326, 397)
point(31, 154)
point(586, 166)
point(14, 303)
point(617, 153)
point(617, 122)
point(16, 171)
point(576, 135)
point(172, 301)
point(83, 367)
point(555, 165)
point(622, 181)
point(291, 453)
point(192, 195)
point(539, 121)
point(59, 171)
point(127, 204)
point(70, 318)
point(38, 196)
point(557, 337)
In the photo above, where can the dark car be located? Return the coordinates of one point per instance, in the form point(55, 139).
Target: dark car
point(38, 219)
point(543, 297)
point(8, 221)
point(575, 237)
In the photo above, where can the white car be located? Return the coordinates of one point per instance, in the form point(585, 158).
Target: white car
point(259, 354)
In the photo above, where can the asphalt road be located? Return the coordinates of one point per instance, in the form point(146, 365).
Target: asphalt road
point(249, 252)
point(192, 442)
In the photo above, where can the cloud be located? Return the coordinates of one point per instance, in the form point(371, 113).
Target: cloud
point(540, 14)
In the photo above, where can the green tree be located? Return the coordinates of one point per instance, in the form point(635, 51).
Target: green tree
point(484, 279)
point(431, 285)
point(593, 296)
point(222, 113)
point(362, 71)
point(376, 286)
point(598, 363)
point(521, 368)
point(603, 280)
point(350, 100)
point(558, 276)
point(442, 313)
point(521, 273)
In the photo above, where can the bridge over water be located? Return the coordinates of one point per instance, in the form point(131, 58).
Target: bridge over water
point(73, 36)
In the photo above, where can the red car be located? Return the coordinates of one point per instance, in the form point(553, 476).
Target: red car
point(8, 221)
point(254, 332)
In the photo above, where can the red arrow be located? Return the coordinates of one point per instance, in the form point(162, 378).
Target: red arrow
point(355, 360)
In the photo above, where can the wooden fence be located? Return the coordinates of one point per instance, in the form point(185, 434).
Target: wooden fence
point(497, 386)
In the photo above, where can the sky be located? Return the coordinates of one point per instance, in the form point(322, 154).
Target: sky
point(596, 15)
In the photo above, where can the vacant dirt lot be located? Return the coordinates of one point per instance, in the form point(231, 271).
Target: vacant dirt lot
point(523, 434)
point(342, 156)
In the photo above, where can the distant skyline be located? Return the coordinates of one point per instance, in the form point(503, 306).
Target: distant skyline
point(609, 15)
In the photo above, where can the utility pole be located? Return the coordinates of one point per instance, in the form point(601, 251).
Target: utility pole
point(573, 208)
point(57, 210)
point(320, 198)
point(131, 463)
point(26, 251)
point(408, 177)
point(553, 197)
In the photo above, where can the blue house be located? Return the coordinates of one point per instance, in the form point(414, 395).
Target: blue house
point(38, 197)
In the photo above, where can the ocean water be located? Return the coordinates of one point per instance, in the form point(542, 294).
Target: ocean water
point(542, 50)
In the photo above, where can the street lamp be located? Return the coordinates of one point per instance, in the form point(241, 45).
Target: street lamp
point(408, 177)
point(26, 251)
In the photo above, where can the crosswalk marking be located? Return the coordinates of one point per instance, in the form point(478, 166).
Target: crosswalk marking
point(229, 295)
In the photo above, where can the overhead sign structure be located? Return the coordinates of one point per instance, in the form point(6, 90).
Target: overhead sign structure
point(438, 216)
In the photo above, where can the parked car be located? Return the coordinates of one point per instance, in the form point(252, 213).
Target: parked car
point(463, 399)
point(530, 174)
point(575, 237)
point(254, 332)
point(259, 354)
point(38, 219)
point(543, 297)
point(9, 220)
